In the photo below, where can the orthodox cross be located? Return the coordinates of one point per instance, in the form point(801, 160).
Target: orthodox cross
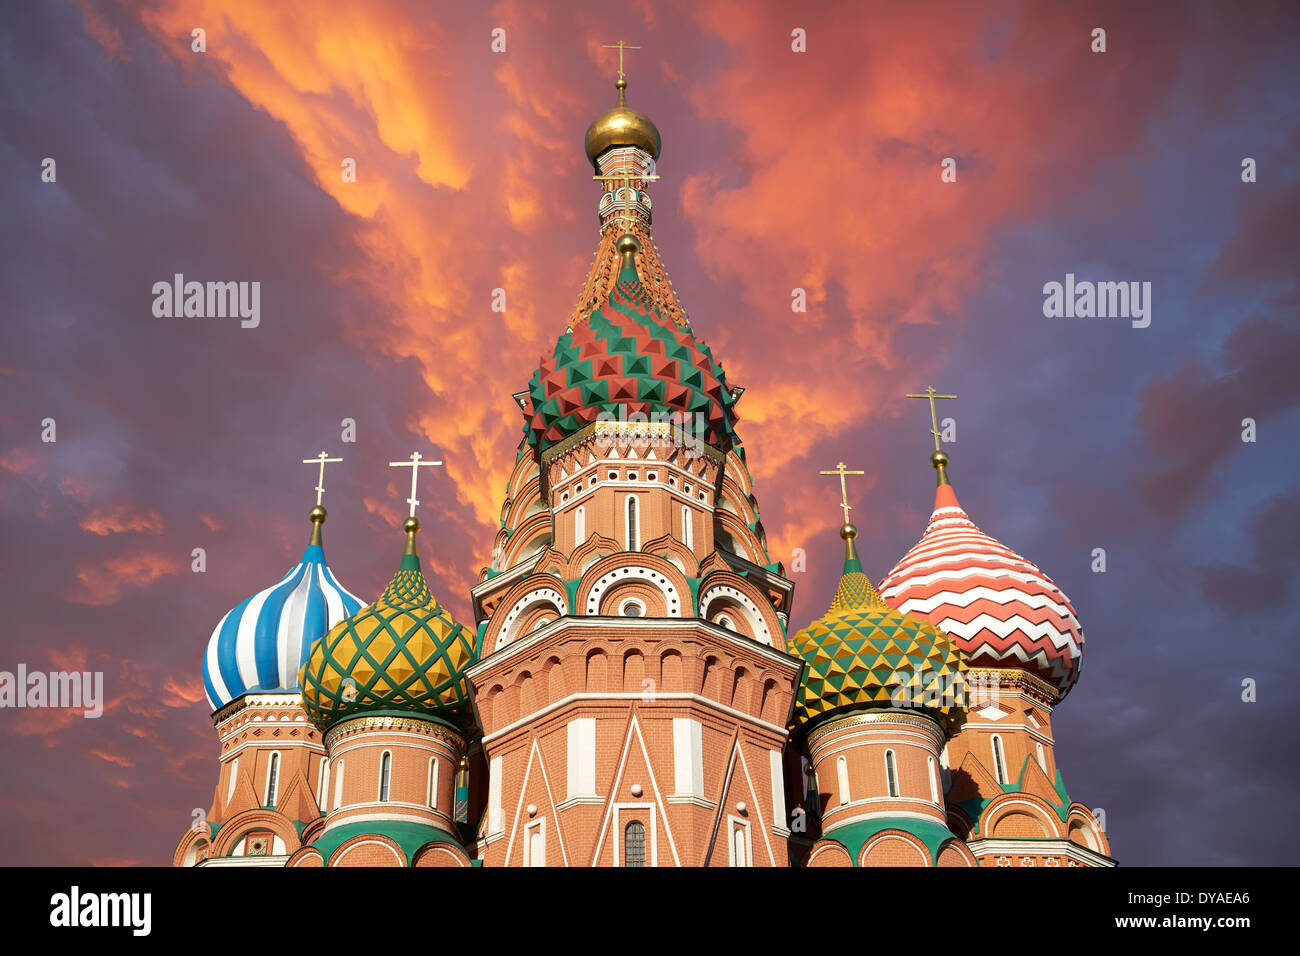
point(844, 488)
point(414, 464)
point(320, 459)
point(626, 178)
point(931, 394)
point(620, 46)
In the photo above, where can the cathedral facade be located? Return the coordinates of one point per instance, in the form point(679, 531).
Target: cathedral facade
point(632, 690)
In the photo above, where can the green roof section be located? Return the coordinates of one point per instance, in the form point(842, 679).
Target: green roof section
point(409, 836)
point(975, 806)
point(852, 836)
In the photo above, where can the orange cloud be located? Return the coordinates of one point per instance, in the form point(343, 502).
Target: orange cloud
point(113, 758)
point(102, 584)
point(182, 693)
point(123, 517)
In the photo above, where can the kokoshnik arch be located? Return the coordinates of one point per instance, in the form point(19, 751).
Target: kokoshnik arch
point(630, 692)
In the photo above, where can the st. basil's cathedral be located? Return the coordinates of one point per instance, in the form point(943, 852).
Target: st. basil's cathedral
point(630, 692)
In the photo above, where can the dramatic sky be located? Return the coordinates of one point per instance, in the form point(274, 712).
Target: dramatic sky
point(780, 170)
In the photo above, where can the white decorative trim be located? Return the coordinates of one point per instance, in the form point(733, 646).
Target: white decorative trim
point(635, 572)
point(546, 593)
point(1053, 846)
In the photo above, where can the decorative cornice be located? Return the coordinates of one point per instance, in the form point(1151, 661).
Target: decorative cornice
point(387, 722)
point(877, 717)
point(1016, 677)
point(628, 430)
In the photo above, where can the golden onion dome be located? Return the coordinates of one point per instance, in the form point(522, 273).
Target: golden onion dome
point(622, 126)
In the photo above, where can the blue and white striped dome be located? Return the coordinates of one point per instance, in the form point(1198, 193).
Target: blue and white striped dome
point(262, 642)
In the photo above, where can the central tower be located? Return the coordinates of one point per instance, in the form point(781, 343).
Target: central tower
point(635, 686)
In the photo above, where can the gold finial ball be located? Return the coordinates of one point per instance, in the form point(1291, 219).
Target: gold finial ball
point(627, 243)
point(622, 126)
point(939, 460)
point(848, 532)
point(411, 525)
point(318, 515)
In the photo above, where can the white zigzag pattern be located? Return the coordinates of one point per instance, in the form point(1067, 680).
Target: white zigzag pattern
point(958, 574)
point(967, 598)
point(968, 630)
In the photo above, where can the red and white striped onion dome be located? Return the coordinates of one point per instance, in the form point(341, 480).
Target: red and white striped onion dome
point(1002, 610)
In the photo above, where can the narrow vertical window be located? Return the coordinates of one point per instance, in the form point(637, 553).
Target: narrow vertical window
point(433, 783)
point(234, 773)
point(891, 773)
point(385, 775)
point(688, 528)
point(580, 525)
point(934, 780)
point(633, 536)
point(999, 765)
point(537, 844)
point(323, 791)
point(338, 786)
point(634, 844)
point(272, 780)
point(842, 774)
point(1042, 758)
point(739, 854)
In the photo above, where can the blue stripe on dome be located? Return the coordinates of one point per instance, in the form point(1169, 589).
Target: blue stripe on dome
point(266, 634)
point(315, 621)
point(208, 689)
point(228, 649)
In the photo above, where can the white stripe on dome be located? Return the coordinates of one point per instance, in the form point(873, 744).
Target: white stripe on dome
point(335, 611)
point(288, 638)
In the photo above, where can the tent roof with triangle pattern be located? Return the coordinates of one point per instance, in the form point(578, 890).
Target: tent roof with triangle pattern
point(626, 358)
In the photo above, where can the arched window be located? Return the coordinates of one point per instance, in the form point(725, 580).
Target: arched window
point(385, 775)
point(234, 773)
point(934, 780)
point(323, 791)
point(842, 775)
point(433, 783)
point(338, 786)
point(1042, 758)
point(580, 525)
point(633, 532)
point(634, 844)
point(999, 763)
point(891, 773)
point(688, 527)
point(272, 780)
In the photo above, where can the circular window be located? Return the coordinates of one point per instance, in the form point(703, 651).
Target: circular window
point(632, 608)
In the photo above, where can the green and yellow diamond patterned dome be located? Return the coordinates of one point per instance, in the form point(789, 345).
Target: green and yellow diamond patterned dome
point(863, 653)
point(405, 653)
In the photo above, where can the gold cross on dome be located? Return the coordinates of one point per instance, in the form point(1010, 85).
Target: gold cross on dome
point(620, 46)
point(844, 488)
point(931, 394)
point(414, 464)
point(320, 459)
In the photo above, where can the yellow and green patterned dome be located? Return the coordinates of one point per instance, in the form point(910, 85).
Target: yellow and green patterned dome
point(405, 653)
point(864, 654)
